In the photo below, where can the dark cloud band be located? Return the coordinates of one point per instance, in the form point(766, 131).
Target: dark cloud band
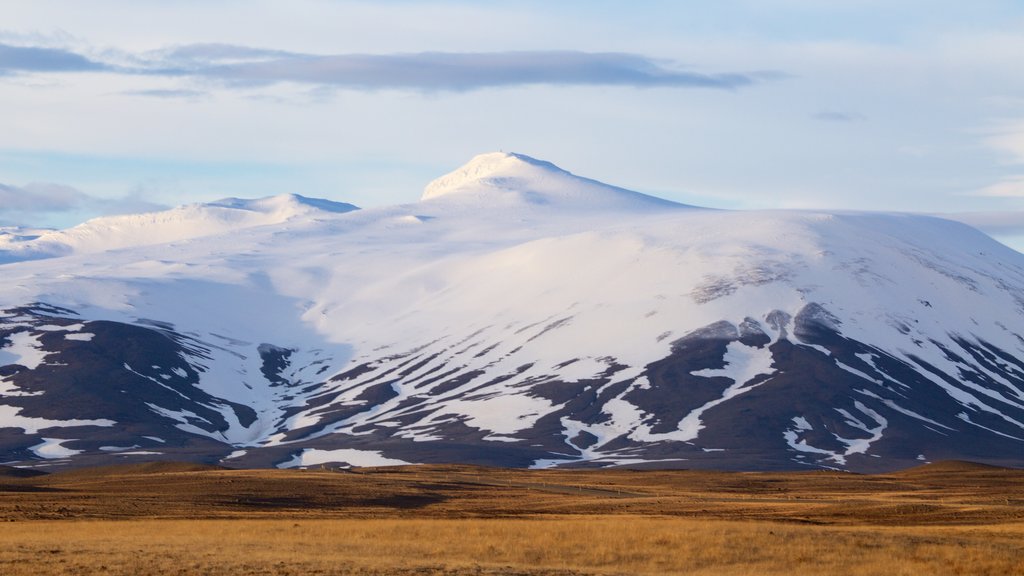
point(32, 59)
point(432, 71)
point(424, 71)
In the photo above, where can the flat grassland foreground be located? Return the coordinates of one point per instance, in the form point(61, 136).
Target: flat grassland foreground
point(949, 518)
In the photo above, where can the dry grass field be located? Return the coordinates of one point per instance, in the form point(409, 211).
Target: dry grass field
point(180, 519)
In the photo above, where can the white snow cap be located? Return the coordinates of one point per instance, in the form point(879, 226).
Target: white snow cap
point(516, 179)
point(483, 169)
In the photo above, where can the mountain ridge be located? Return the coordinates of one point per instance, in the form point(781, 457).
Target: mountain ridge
point(182, 223)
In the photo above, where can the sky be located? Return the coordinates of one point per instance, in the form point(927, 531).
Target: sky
point(114, 106)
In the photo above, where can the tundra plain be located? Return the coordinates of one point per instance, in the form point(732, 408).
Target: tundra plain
point(167, 518)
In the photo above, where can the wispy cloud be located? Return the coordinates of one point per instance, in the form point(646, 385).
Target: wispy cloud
point(1002, 223)
point(203, 54)
point(1008, 139)
point(38, 59)
point(40, 198)
point(422, 71)
point(167, 93)
point(433, 71)
point(1010, 187)
point(836, 116)
point(38, 201)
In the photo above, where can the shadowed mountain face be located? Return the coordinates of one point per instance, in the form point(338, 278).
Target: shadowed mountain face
point(107, 391)
point(517, 316)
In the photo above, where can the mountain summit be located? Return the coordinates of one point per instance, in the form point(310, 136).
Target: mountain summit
point(518, 316)
point(508, 179)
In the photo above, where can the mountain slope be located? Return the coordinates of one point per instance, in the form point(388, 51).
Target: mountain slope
point(520, 315)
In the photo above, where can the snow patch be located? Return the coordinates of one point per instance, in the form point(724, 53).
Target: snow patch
point(349, 456)
point(500, 414)
point(861, 445)
point(59, 328)
point(51, 448)
point(792, 437)
point(10, 417)
point(853, 445)
point(10, 389)
point(742, 364)
point(23, 348)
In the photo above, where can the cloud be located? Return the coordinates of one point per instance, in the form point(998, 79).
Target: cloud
point(200, 54)
point(37, 59)
point(167, 93)
point(41, 201)
point(1002, 223)
point(1008, 138)
point(439, 71)
point(1010, 187)
point(130, 204)
point(422, 71)
point(40, 198)
point(834, 116)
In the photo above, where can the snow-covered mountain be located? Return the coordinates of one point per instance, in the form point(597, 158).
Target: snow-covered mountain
point(516, 315)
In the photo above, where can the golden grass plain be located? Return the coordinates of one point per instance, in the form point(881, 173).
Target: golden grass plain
point(179, 519)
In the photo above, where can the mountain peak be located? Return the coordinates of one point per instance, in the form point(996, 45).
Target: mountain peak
point(486, 169)
point(508, 178)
